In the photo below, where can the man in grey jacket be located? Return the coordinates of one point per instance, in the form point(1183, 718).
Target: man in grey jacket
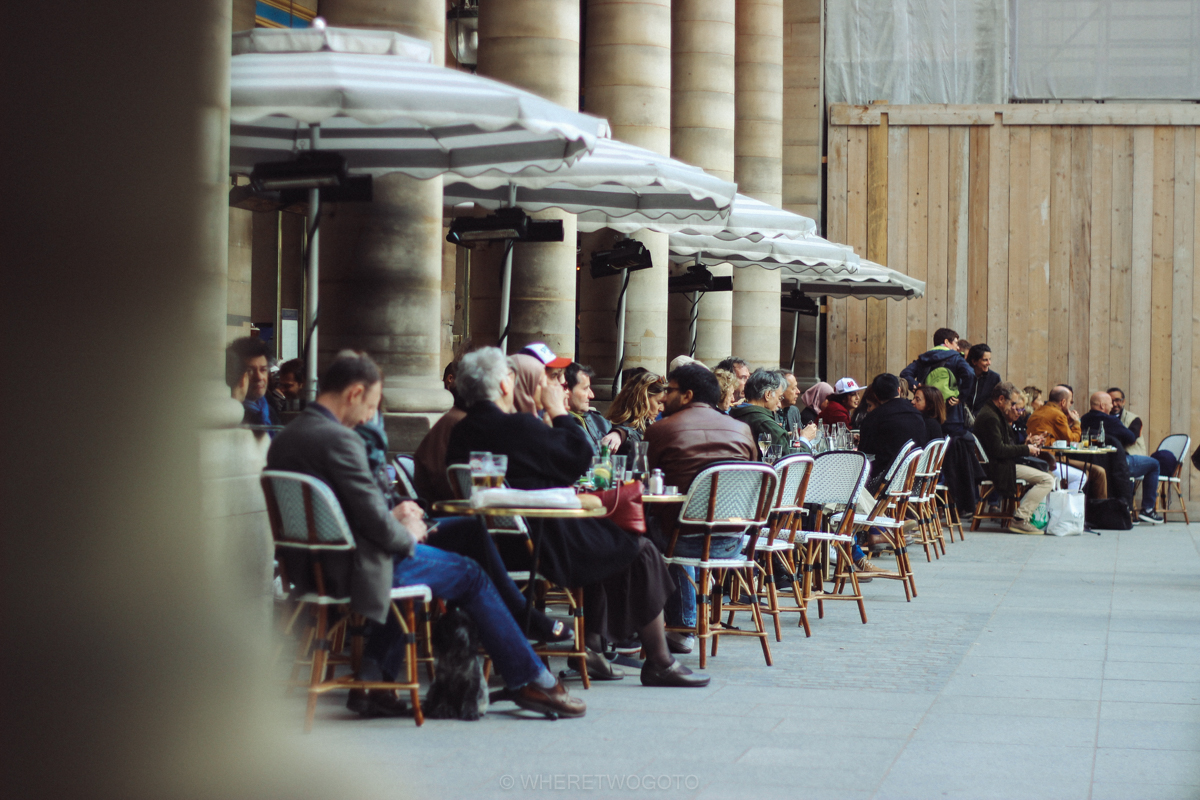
point(389, 551)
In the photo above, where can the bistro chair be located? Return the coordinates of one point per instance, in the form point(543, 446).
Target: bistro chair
point(406, 471)
point(888, 516)
point(1178, 445)
point(923, 501)
point(987, 492)
point(887, 479)
point(459, 476)
point(778, 541)
point(729, 499)
point(315, 548)
point(837, 479)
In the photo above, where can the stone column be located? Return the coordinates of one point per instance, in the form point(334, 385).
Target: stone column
point(627, 78)
point(381, 262)
point(702, 124)
point(135, 286)
point(758, 169)
point(534, 44)
point(803, 129)
point(238, 277)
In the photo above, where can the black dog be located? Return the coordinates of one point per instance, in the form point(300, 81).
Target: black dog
point(458, 690)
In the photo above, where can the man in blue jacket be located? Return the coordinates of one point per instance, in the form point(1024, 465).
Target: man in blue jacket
point(945, 369)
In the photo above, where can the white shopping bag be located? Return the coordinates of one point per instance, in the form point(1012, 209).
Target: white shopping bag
point(1066, 513)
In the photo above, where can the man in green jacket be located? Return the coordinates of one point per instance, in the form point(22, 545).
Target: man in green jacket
point(764, 393)
point(994, 432)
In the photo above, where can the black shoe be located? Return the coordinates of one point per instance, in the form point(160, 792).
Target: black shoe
point(628, 647)
point(376, 703)
point(675, 675)
point(1151, 516)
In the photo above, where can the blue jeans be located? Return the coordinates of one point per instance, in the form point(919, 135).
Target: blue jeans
point(459, 580)
point(1146, 468)
point(681, 604)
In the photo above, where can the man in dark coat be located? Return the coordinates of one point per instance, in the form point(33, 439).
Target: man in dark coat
point(889, 427)
point(1143, 467)
point(994, 432)
point(388, 544)
point(956, 383)
point(625, 581)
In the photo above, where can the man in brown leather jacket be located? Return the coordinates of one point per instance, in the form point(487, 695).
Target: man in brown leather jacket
point(692, 434)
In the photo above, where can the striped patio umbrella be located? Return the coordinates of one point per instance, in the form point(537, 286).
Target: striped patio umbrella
point(378, 101)
point(618, 186)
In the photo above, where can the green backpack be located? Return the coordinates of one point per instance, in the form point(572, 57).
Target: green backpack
point(944, 381)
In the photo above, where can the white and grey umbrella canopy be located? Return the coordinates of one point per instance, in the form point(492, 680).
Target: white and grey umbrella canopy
point(380, 103)
point(809, 251)
point(618, 186)
point(753, 219)
point(868, 280)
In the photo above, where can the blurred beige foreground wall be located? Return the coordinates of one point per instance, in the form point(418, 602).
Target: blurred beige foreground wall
point(131, 648)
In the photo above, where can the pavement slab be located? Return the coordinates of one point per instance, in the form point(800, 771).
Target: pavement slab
point(1027, 667)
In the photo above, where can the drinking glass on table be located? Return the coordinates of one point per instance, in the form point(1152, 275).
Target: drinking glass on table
point(498, 471)
point(618, 469)
point(764, 442)
point(774, 453)
point(639, 462)
point(481, 469)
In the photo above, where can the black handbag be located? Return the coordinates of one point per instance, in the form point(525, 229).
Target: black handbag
point(1111, 514)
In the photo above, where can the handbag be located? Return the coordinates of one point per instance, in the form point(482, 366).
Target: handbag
point(1066, 513)
point(1111, 514)
point(623, 506)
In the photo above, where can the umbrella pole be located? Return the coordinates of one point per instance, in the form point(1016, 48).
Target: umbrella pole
point(693, 321)
point(795, 337)
point(620, 336)
point(505, 292)
point(314, 216)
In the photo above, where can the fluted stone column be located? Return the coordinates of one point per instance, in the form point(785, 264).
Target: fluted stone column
point(802, 130)
point(381, 262)
point(702, 128)
point(534, 44)
point(627, 78)
point(758, 168)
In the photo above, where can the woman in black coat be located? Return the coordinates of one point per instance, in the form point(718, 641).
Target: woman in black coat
point(625, 580)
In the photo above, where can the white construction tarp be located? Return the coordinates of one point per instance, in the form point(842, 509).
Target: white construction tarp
point(916, 51)
point(1106, 49)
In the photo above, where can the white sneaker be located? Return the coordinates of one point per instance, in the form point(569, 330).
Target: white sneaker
point(681, 643)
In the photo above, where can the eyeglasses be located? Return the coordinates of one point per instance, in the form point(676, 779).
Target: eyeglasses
point(670, 389)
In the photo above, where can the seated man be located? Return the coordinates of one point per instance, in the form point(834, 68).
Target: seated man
point(1129, 420)
point(994, 432)
point(1143, 467)
point(764, 392)
point(291, 383)
point(578, 380)
point(389, 550)
point(788, 414)
point(623, 576)
point(889, 427)
point(1057, 420)
point(691, 435)
point(247, 369)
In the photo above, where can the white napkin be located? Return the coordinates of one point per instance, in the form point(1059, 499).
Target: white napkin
point(525, 498)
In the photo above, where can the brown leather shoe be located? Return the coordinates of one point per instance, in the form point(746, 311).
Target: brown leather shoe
point(554, 703)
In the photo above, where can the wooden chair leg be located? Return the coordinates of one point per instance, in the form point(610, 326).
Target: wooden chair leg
point(320, 649)
point(409, 623)
point(703, 612)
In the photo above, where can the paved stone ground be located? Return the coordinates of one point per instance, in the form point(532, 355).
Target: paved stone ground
point(1028, 667)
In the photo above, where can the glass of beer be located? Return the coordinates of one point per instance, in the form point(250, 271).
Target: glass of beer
point(481, 469)
point(499, 468)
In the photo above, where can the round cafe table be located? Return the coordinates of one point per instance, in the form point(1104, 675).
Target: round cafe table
point(463, 508)
point(1064, 454)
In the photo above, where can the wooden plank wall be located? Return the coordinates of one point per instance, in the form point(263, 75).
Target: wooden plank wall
point(1062, 235)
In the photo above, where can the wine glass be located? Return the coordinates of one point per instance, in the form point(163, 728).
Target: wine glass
point(764, 442)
